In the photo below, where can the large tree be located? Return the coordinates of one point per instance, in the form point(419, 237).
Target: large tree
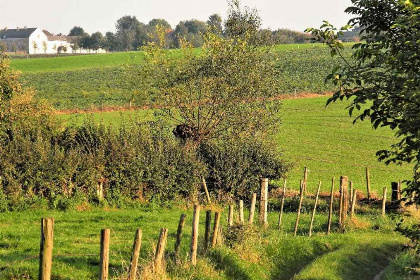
point(241, 21)
point(190, 30)
point(97, 41)
point(225, 91)
point(127, 32)
point(382, 78)
point(214, 23)
point(161, 22)
point(77, 31)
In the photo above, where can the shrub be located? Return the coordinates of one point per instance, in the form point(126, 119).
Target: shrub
point(235, 166)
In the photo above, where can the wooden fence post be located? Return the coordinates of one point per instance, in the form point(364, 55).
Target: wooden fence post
point(353, 202)
point(203, 181)
point(395, 191)
point(208, 229)
point(344, 186)
point(135, 255)
point(383, 202)
point(194, 235)
point(179, 234)
point(104, 261)
point(282, 204)
point(399, 189)
point(299, 208)
point(252, 208)
point(241, 212)
point(160, 249)
point(215, 229)
point(351, 191)
point(305, 180)
point(264, 201)
point(313, 213)
point(46, 247)
point(331, 207)
point(340, 204)
point(230, 216)
point(368, 183)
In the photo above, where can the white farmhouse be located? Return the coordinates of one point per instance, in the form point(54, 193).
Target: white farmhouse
point(37, 41)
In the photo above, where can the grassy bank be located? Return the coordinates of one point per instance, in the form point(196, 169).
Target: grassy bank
point(360, 253)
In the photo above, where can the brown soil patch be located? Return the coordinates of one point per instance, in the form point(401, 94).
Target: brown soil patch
point(146, 107)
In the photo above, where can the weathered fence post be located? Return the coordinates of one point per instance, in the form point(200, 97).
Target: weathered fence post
point(179, 234)
point(208, 229)
point(384, 202)
point(100, 189)
point(203, 181)
point(331, 207)
point(351, 191)
point(241, 212)
point(160, 249)
point(305, 180)
point(264, 201)
point(368, 183)
point(194, 235)
point(282, 204)
point(104, 261)
point(399, 189)
point(299, 208)
point(230, 215)
point(353, 202)
point(215, 229)
point(46, 247)
point(344, 181)
point(396, 193)
point(313, 213)
point(135, 255)
point(340, 204)
point(252, 208)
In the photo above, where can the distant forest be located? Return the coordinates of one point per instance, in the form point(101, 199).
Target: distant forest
point(131, 34)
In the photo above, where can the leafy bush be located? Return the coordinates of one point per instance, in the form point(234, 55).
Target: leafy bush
point(235, 166)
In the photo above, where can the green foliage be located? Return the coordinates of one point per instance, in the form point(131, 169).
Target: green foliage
point(404, 266)
point(241, 22)
point(385, 71)
point(223, 90)
point(235, 166)
point(77, 31)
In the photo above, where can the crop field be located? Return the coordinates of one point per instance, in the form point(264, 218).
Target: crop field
point(101, 81)
point(360, 253)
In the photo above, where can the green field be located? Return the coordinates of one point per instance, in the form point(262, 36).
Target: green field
point(101, 81)
point(361, 253)
point(79, 62)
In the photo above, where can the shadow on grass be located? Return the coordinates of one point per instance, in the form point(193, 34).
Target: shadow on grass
point(293, 257)
point(352, 261)
point(229, 265)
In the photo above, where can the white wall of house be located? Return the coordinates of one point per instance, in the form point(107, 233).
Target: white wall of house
point(36, 40)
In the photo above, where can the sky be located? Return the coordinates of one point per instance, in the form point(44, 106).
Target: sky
point(101, 15)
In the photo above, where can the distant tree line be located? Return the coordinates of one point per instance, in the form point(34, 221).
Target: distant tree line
point(131, 34)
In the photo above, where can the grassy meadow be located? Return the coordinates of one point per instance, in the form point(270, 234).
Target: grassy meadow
point(361, 253)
